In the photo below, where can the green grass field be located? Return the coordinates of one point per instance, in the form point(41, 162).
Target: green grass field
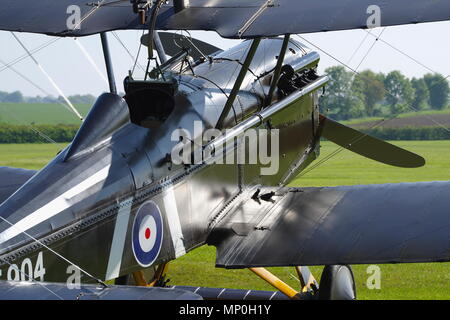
point(40, 113)
point(407, 281)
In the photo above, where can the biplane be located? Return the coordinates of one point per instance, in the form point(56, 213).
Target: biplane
point(125, 198)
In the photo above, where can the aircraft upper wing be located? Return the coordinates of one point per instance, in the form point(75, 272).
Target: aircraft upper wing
point(389, 223)
point(230, 18)
point(12, 179)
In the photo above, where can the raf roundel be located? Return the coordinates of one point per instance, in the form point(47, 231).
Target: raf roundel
point(147, 234)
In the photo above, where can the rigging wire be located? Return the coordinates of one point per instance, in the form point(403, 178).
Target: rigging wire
point(128, 51)
point(402, 52)
point(370, 49)
point(137, 57)
point(91, 61)
point(96, 5)
point(55, 253)
point(25, 55)
point(407, 55)
point(357, 49)
point(48, 77)
point(189, 39)
point(32, 83)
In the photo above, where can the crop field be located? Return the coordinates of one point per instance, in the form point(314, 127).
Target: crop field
point(426, 118)
point(40, 113)
point(405, 281)
point(432, 120)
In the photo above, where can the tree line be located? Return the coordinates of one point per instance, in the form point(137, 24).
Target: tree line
point(37, 133)
point(370, 94)
point(18, 97)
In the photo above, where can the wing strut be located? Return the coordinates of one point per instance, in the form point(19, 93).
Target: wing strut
point(159, 47)
point(277, 72)
point(108, 63)
point(238, 83)
point(274, 281)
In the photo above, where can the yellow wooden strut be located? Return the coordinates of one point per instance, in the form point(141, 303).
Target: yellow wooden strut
point(159, 274)
point(139, 278)
point(276, 282)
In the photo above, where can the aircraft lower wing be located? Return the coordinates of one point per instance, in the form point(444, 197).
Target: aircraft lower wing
point(12, 179)
point(390, 223)
point(10, 290)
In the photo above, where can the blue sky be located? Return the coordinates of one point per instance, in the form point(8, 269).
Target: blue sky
point(428, 43)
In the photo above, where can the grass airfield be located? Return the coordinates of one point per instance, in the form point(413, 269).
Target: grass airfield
point(402, 281)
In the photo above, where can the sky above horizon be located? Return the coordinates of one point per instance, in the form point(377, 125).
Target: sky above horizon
point(74, 73)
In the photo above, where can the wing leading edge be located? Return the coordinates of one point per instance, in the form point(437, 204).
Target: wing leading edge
point(390, 223)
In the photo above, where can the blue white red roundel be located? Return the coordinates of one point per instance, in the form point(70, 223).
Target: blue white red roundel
point(147, 234)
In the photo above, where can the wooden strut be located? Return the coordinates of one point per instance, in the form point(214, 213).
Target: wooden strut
point(277, 72)
point(237, 84)
point(139, 278)
point(276, 282)
point(306, 283)
point(108, 63)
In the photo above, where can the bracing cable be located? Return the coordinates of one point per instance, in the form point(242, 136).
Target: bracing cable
point(58, 89)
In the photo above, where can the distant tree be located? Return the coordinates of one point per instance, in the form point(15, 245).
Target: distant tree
point(338, 101)
point(421, 94)
point(39, 99)
point(400, 93)
point(380, 77)
point(439, 90)
point(36, 99)
point(13, 97)
point(368, 86)
point(49, 99)
point(79, 99)
point(3, 94)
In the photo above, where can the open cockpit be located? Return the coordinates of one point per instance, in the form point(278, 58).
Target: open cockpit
point(150, 102)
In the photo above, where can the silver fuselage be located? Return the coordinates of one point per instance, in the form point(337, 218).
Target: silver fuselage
point(83, 207)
